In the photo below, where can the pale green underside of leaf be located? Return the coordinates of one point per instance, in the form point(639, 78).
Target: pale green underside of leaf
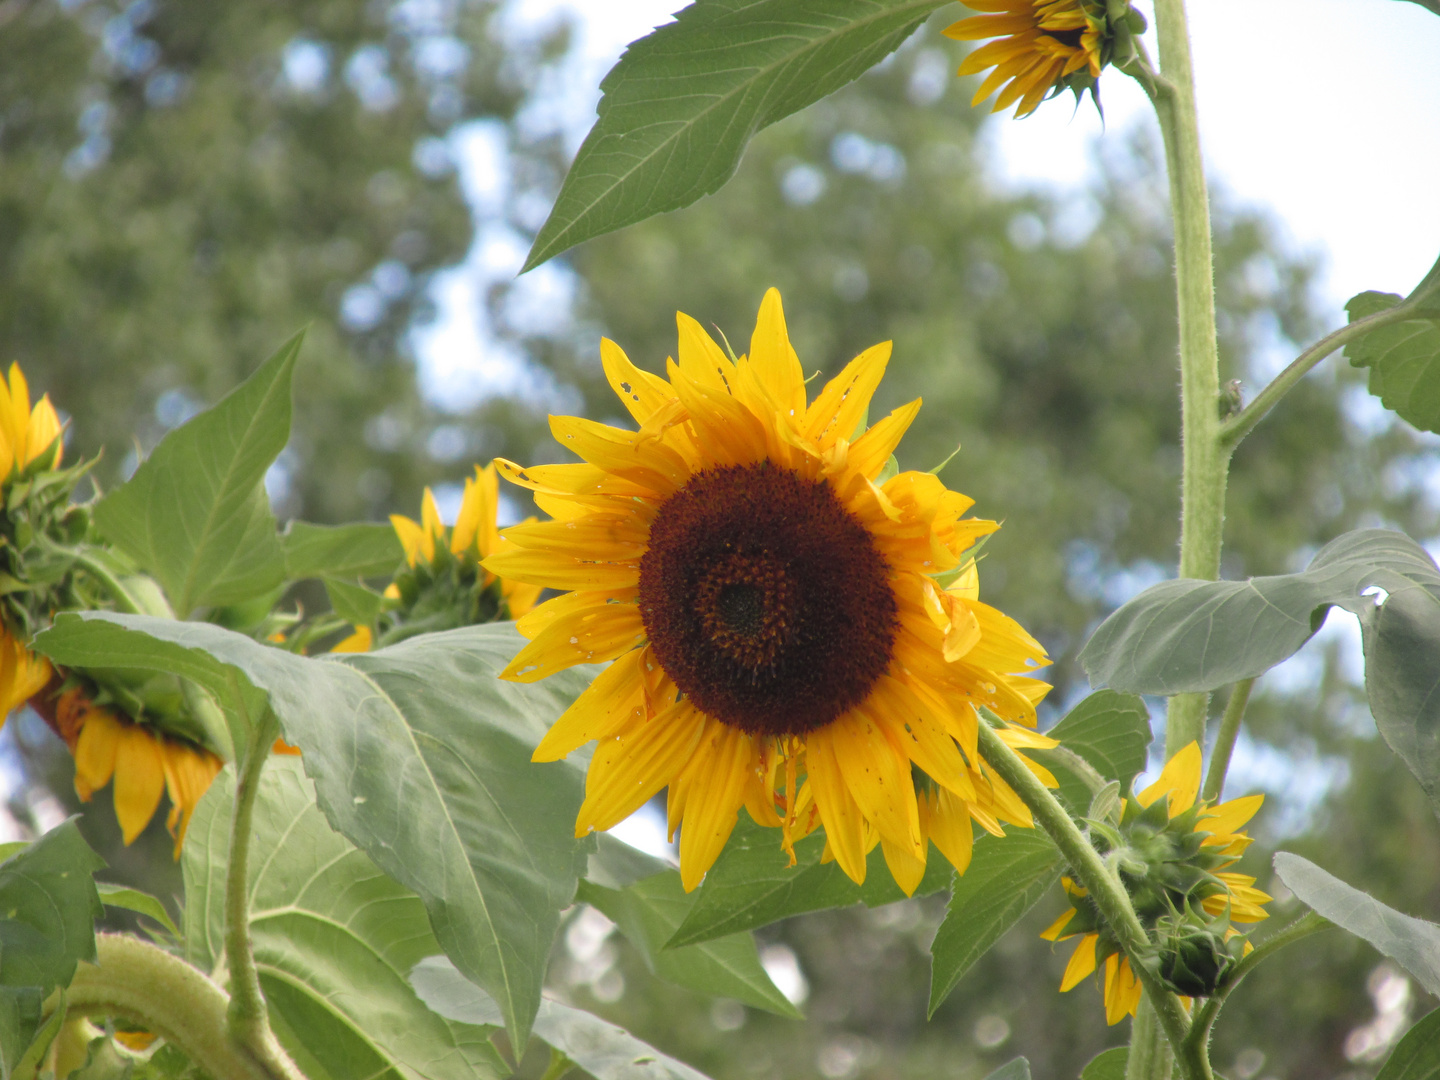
point(1403, 358)
point(682, 103)
point(138, 902)
point(1412, 943)
point(1189, 635)
point(600, 1048)
point(752, 884)
point(1006, 877)
point(420, 756)
point(195, 514)
point(335, 938)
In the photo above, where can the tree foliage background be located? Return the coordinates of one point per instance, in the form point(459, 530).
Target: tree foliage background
point(183, 186)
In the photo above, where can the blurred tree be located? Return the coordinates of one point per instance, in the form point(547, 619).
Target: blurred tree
point(183, 186)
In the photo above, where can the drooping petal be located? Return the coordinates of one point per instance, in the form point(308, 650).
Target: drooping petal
point(632, 765)
point(1082, 963)
point(1180, 779)
point(139, 779)
point(717, 788)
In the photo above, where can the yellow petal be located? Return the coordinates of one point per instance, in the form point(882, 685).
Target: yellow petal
point(773, 358)
point(701, 360)
point(359, 641)
point(905, 866)
point(870, 452)
point(714, 799)
point(411, 536)
point(590, 636)
point(628, 768)
point(839, 812)
point(878, 776)
point(843, 403)
point(1055, 931)
point(945, 819)
point(1122, 990)
point(43, 429)
point(561, 571)
point(640, 392)
point(1082, 962)
point(434, 528)
point(139, 779)
point(648, 463)
point(95, 751)
point(1180, 779)
point(616, 696)
point(1222, 820)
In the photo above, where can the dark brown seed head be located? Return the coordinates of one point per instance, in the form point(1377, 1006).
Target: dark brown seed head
point(765, 601)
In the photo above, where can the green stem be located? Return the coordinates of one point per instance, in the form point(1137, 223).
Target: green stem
point(1104, 887)
point(1205, 1016)
point(125, 603)
point(1225, 740)
point(140, 982)
point(1204, 459)
point(1150, 1055)
point(248, 1018)
point(1241, 424)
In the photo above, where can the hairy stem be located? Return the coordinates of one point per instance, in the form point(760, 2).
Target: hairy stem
point(1104, 886)
point(248, 1017)
point(1150, 1055)
point(1241, 424)
point(1225, 740)
point(140, 982)
point(1205, 459)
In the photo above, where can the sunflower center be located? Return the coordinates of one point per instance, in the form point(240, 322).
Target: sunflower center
point(765, 600)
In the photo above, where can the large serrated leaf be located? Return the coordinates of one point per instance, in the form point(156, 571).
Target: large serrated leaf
point(1006, 877)
point(48, 908)
point(334, 938)
point(603, 1050)
point(752, 884)
point(1417, 1055)
point(1111, 731)
point(340, 551)
point(195, 515)
point(421, 756)
point(649, 912)
point(1412, 943)
point(1403, 358)
point(682, 103)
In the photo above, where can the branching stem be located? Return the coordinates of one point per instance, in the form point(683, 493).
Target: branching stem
point(1104, 887)
point(1225, 740)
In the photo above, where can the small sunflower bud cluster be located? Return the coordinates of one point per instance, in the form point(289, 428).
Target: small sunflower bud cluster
point(1171, 850)
point(443, 586)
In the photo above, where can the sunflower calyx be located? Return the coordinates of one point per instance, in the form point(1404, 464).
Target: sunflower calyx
point(1197, 951)
point(441, 593)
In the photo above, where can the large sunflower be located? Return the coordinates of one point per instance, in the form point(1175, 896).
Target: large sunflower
point(782, 635)
point(1042, 46)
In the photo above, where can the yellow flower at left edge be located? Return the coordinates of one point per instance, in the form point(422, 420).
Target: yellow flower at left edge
point(474, 537)
point(1202, 838)
point(25, 434)
point(143, 762)
point(788, 633)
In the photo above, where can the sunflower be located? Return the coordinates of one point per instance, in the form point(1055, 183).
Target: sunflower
point(143, 762)
point(22, 674)
point(1043, 47)
point(777, 613)
point(25, 433)
point(474, 536)
point(1185, 889)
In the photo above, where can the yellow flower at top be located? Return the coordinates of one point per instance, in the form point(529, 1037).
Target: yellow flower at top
point(1041, 46)
point(782, 635)
point(474, 536)
point(1209, 839)
point(143, 763)
point(25, 433)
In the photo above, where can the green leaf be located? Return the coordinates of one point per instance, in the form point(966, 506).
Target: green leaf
point(1417, 1057)
point(1186, 635)
point(1107, 1066)
point(1019, 1069)
point(25, 1032)
point(614, 864)
point(334, 937)
point(1403, 358)
point(112, 895)
point(341, 551)
point(1109, 730)
point(1006, 877)
point(682, 103)
point(353, 602)
point(48, 908)
point(421, 756)
point(752, 884)
point(650, 911)
point(195, 514)
point(1412, 943)
point(600, 1048)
